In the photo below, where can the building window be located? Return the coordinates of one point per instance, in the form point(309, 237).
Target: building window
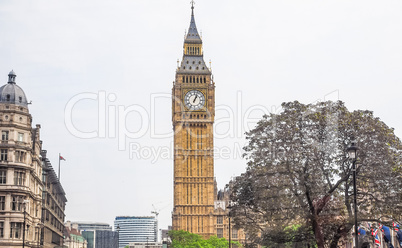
point(55, 238)
point(219, 220)
point(15, 230)
point(1, 229)
point(3, 176)
point(219, 232)
point(20, 99)
point(4, 135)
point(20, 156)
point(20, 136)
point(234, 233)
point(19, 178)
point(2, 203)
point(3, 155)
point(16, 204)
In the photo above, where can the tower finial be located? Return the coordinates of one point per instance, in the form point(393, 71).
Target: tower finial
point(192, 34)
point(192, 6)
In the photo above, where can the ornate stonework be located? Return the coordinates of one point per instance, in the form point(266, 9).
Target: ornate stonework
point(193, 112)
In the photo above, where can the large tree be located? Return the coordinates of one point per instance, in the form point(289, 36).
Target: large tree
point(298, 187)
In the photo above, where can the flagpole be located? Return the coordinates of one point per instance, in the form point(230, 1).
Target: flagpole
point(59, 167)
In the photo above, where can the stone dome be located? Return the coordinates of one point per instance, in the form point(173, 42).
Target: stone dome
point(12, 93)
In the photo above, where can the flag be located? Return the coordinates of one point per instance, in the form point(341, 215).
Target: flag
point(361, 231)
point(396, 226)
point(387, 233)
point(376, 238)
point(61, 158)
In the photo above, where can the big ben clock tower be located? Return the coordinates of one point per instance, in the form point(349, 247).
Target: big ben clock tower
point(193, 112)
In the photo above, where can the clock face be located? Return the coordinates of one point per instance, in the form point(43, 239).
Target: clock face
point(194, 100)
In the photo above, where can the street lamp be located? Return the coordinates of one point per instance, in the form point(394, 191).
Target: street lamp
point(230, 236)
point(23, 228)
point(352, 151)
point(118, 235)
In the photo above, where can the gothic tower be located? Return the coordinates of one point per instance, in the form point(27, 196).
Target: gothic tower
point(193, 112)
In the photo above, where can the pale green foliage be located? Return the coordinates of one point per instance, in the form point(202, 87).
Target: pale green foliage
point(184, 239)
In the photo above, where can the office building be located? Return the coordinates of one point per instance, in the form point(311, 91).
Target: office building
point(97, 235)
point(136, 229)
point(145, 245)
point(101, 238)
point(88, 226)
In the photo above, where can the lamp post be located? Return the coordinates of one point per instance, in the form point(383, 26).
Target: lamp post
point(118, 235)
point(230, 236)
point(24, 224)
point(352, 151)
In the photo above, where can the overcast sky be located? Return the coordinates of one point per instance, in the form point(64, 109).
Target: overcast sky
point(97, 69)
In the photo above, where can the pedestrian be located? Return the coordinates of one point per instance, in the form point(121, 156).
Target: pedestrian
point(387, 235)
point(399, 237)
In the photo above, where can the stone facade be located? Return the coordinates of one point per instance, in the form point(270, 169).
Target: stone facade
point(197, 206)
point(222, 222)
point(74, 239)
point(193, 110)
point(20, 170)
point(53, 206)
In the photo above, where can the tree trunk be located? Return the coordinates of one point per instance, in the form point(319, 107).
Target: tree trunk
point(335, 240)
point(319, 238)
point(341, 231)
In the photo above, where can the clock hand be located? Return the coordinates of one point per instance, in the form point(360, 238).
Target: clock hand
point(195, 98)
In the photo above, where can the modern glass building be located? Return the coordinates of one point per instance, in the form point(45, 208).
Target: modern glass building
point(98, 235)
point(89, 226)
point(136, 229)
point(101, 239)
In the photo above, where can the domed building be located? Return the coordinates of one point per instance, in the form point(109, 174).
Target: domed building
point(32, 200)
point(11, 93)
point(20, 170)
